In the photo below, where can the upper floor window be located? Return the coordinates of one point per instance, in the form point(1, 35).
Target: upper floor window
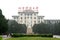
point(30, 14)
point(34, 22)
point(21, 14)
point(27, 14)
point(28, 17)
point(34, 17)
point(25, 17)
point(31, 17)
point(21, 17)
point(34, 14)
point(38, 18)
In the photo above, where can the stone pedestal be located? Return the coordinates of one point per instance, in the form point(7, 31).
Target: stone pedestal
point(29, 31)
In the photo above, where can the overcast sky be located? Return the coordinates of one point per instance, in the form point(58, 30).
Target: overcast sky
point(48, 8)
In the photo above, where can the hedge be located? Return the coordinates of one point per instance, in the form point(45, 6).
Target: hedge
point(32, 35)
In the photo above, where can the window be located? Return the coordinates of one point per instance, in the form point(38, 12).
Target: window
point(25, 17)
point(28, 17)
point(31, 17)
point(31, 25)
point(21, 14)
point(34, 22)
point(34, 14)
point(25, 21)
point(27, 14)
point(21, 17)
point(34, 17)
point(38, 21)
point(38, 18)
point(30, 14)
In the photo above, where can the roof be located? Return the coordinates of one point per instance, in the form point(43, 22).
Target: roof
point(15, 16)
point(28, 11)
point(52, 20)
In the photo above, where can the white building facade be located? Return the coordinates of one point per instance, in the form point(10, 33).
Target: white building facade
point(28, 16)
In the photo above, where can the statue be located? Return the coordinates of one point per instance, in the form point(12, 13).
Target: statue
point(29, 28)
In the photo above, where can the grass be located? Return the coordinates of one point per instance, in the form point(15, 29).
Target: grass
point(32, 38)
point(0, 38)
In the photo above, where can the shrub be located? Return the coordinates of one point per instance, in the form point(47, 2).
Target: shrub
point(32, 35)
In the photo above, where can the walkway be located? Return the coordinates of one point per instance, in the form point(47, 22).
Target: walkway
point(5, 37)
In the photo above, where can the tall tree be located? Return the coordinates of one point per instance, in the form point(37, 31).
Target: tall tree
point(42, 28)
point(3, 23)
point(57, 29)
point(14, 27)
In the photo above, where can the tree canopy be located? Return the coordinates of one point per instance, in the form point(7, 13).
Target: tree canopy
point(43, 28)
point(14, 27)
point(3, 23)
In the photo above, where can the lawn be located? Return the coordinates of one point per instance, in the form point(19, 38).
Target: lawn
point(32, 38)
point(0, 38)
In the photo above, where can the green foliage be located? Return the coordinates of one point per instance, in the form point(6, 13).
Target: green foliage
point(42, 28)
point(47, 28)
point(14, 27)
point(3, 23)
point(57, 29)
point(32, 35)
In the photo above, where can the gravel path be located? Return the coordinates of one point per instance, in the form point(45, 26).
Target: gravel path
point(5, 37)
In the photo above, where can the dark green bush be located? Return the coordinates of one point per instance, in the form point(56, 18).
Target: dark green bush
point(32, 35)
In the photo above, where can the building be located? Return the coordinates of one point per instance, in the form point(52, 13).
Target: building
point(51, 21)
point(28, 16)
